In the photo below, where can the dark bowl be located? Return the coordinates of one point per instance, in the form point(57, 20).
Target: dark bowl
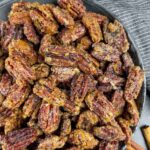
point(93, 5)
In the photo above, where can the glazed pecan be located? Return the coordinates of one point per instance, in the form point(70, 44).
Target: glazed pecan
point(91, 23)
point(75, 7)
point(16, 96)
point(115, 36)
point(83, 139)
point(104, 145)
point(63, 16)
point(20, 139)
point(105, 52)
point(5, 84)
point(30, 105)
point(44, 87)
point(80, 86)
point(64, 74)
point(134, 83)
point(87, 120)
point(49, 117)
point(41, 70)
point(99, 104)
point(70, 35)
point(118, 102)
point(52, 142)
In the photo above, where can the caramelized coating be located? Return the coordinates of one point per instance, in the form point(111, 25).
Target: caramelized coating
point(70, 35)
point(105, 52)
point(82, 139)
point(17, 95)
point(91, 23)
point(87, 120)
point(134, 83)
point(114, 145)
point(30, 105)
point(49, 118)
point(5, 84)
point(44, 87)
point(63, 17)
point(99, 104)
point(115, 35)
point(75, 7)
point(64, 74)
point(118, 102)
point(51, 143)
point(41, 70)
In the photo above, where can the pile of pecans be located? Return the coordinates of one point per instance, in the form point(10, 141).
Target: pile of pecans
point(67, 80)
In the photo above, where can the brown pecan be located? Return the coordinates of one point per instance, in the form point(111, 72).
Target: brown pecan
point(44, 87)
point(63, 16)
point(91, 23)
point(30, 105)
point(17, 95)
point(75, 7)
point(115, 35)
point(127, 62)
point(87, 120)
point(20, 139)
point(64, 74)
point(134, 83)
point(52, 142)
point(99, 104)
point(118, 102)
point(104, 145)
point(70, 35)
point(41, 70)
point(5, 84)
point(105, 52)
point(23, 49)
point(83, 139)
point(20, 69)
point(80, 86)
point(49, 118)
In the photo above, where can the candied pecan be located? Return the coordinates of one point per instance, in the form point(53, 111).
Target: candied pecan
point(20, 139)
point(5, 84)
point(75, 7)
point(61, 56)
point(52, 142)
point(49, 117)
point(63, 16)
point(30, 105)
point(91, 23)
point(23, 49)
point(118, 101)
point(84, 43)
point(70, 35)
point(105, 52)
point(127, 62)
point(99, 104)
point(41, 70)
point(87, 120)
point(43, 23)
point(105, 87)
point(44, 87)
point(83, 139)
point(20, 69)
point(16, 96)
point(108, 133)
point(80, 86)
point(134, 83)
point(64, 74)
point(104, 145)
point(115, 35)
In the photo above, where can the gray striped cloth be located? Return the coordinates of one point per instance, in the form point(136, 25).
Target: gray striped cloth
point(135, 16)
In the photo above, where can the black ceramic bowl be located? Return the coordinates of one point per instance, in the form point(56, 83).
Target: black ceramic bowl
point(92, 5)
